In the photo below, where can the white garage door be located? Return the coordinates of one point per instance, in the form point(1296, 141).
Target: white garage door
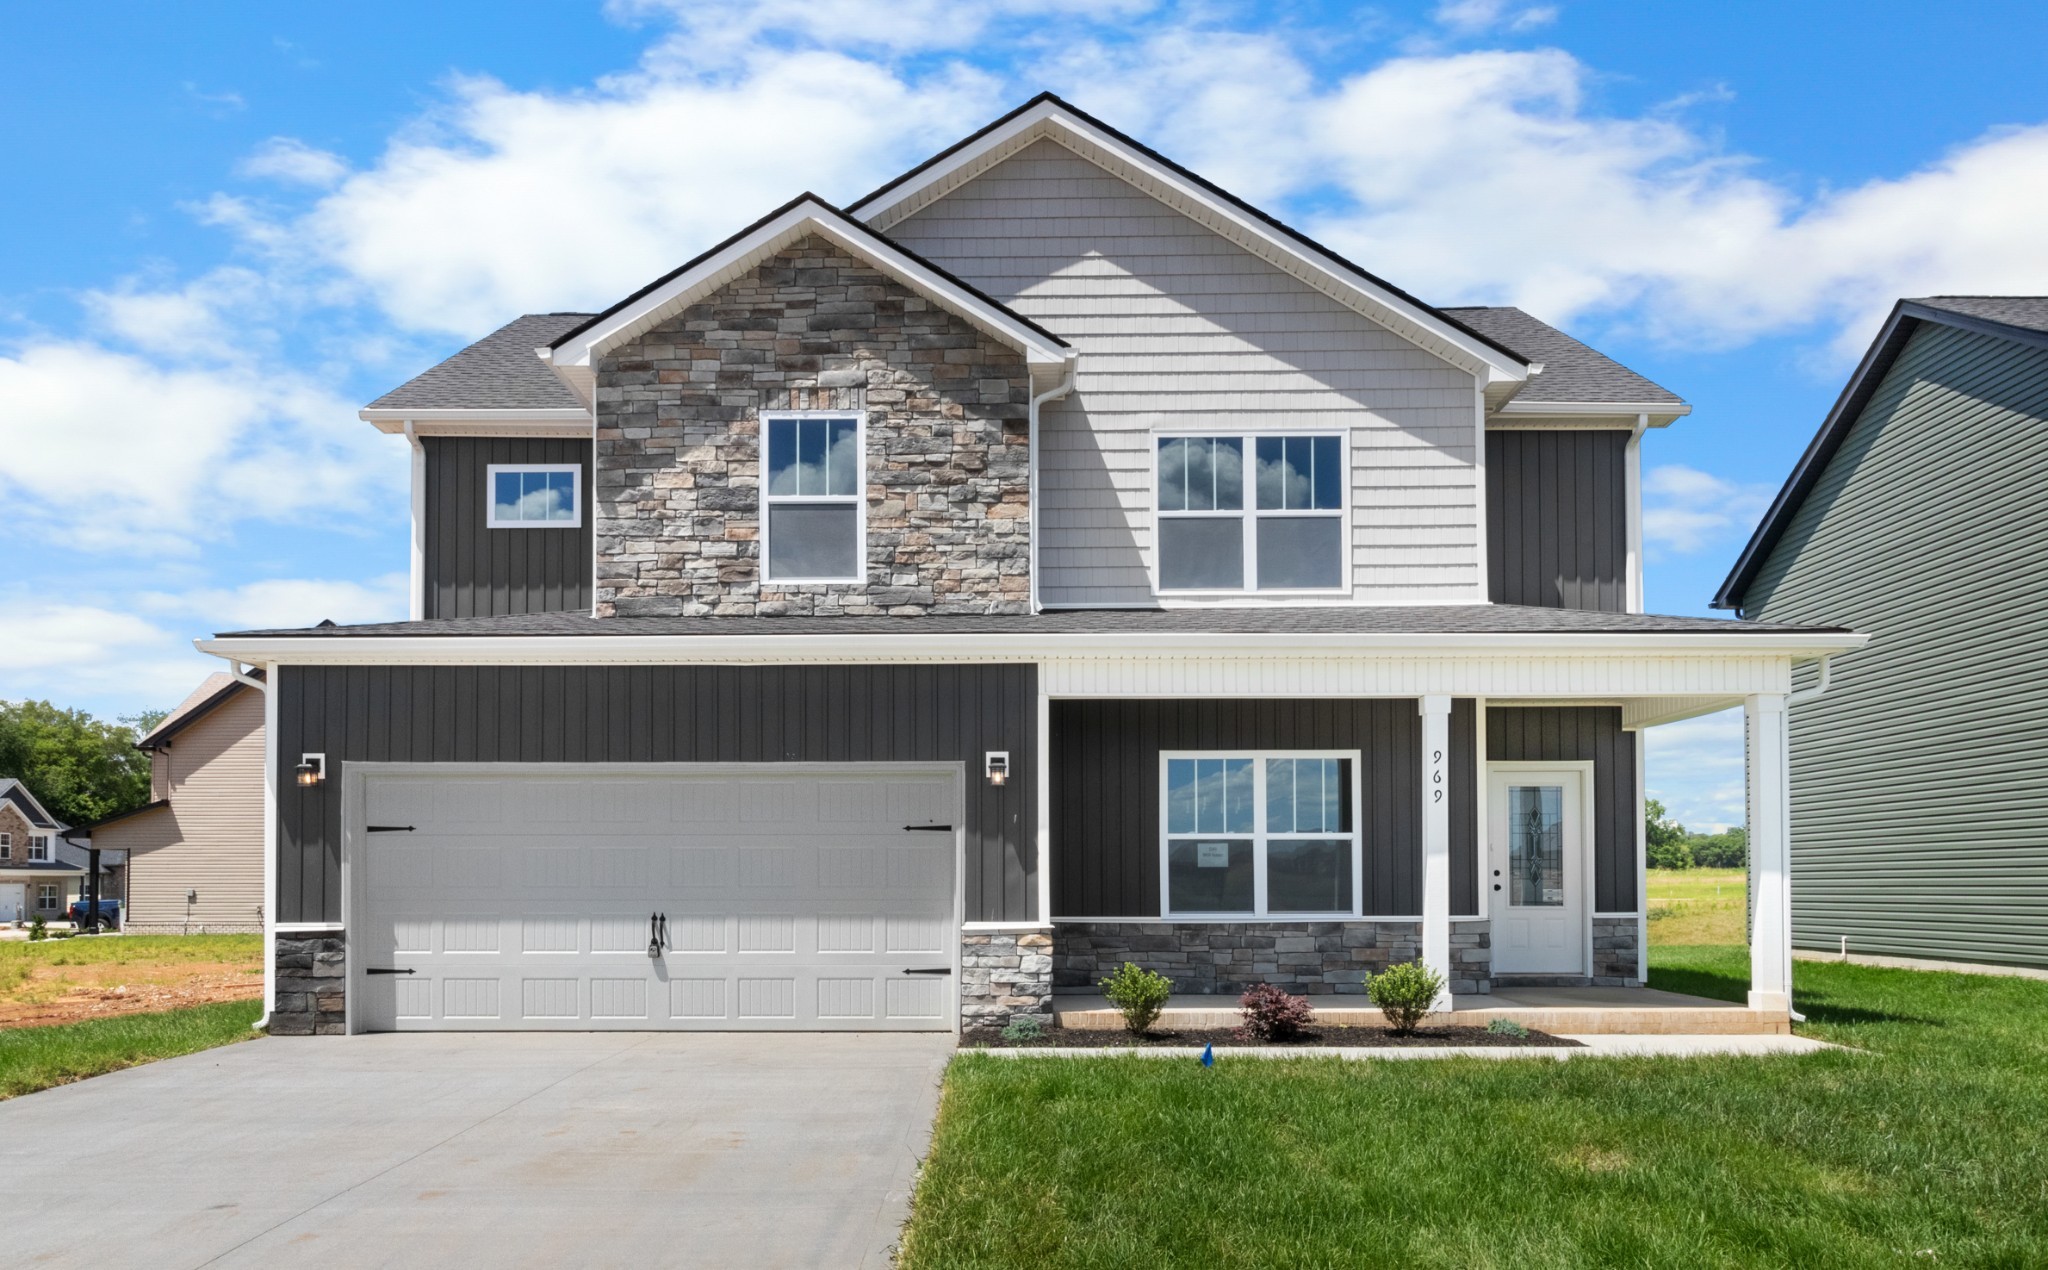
point(500, 899)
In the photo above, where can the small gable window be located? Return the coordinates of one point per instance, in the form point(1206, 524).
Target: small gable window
point(6, 846)
point(813, 527)
point(39, 848)
point(1258, 513)
point(534, 495)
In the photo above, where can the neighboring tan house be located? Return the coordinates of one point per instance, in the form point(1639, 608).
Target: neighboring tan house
point(195, 852)
point(903, 612)
point(1919, 514)
point(39, 874)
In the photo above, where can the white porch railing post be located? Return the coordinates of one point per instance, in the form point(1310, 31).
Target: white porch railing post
point(1770, 872)
point(1436, 840)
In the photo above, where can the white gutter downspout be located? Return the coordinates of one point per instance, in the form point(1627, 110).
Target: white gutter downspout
point(1800, 698)
point(417, 604)
point(1633, 469)
point(269, 830)
point(1065, 386)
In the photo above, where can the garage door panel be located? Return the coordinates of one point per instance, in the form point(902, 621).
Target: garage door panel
point(787, 905)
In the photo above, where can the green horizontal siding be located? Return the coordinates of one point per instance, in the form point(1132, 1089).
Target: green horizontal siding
point(1920, 782)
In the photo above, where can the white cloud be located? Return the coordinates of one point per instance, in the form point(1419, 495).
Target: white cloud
point(1478, 17)
point(294, 162)
point(62, 652)
point(1695, 768)
point(102, 449)
point(284, 602)
point(1687, 510)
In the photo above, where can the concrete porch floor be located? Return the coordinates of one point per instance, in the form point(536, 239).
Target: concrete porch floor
point(1559, 1011)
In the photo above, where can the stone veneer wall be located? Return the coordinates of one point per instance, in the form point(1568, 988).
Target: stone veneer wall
point(1309, 958)
point(678, 450)
point(312, 985)
point(1004, 975)
point(1615, 952)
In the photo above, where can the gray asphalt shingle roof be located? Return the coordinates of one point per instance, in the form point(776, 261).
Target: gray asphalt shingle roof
point(2028, 312)
point(1476, 619)
point(498, 372)
point(1571, 371)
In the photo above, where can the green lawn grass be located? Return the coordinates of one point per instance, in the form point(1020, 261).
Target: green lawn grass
point(33, 1058)
point(1698, 906)
point(1925, 1144)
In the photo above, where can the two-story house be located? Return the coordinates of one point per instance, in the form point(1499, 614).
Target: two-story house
point(901, 612)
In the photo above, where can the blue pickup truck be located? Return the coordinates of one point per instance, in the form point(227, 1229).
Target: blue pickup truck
point(110, 912)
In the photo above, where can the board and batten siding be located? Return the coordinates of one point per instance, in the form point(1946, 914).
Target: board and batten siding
point(1557, 518)
point(1178, 327)
point(1562, 734)
point(210, 839)
point(661, 714)
point(1105, 792)
point(1920, 781)
point(476, 571)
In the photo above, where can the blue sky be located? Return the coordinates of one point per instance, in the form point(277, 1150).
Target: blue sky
point(234, 223)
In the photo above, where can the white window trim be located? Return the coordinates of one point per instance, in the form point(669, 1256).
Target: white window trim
point(491, 471)
point(39, 851)
point(1260, 837)
point(6, 846)
point(1250, 514)
point(858, 500)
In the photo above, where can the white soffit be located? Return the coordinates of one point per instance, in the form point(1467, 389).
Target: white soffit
point(1049, 121)
point(801, 219)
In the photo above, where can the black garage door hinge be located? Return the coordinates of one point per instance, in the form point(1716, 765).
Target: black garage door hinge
point(384, 970)
point(387, 829)
point(936, 970)
point(929, 828)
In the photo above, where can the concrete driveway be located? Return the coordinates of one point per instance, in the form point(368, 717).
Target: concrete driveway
point(508, 1150)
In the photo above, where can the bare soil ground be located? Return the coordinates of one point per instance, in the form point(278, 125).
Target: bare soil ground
point(71, 981)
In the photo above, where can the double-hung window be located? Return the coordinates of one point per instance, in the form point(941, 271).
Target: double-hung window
point(39, 848)
point(1251, 513)
point(534, 495)
point(6, 846)
point(46, 897)
point(1257, 833)
point(813, 529)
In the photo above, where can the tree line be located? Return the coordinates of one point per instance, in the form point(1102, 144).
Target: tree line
point(81, 769)
point(1672, 846)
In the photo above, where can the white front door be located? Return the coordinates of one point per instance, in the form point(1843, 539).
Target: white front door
point(1536, 875)
point(755, 898)
point(12, 901)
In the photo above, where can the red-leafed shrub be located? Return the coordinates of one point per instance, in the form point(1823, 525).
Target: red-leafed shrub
point(1274, 1014)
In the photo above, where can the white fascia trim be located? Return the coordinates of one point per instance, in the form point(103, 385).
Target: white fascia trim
point(1048, 120)
point(807, 217)
point(784, 649)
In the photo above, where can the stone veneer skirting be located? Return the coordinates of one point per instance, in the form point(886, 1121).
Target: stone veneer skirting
point(1616, 961)
point(1003, 975)
point(1226, 958)
point(312, 985)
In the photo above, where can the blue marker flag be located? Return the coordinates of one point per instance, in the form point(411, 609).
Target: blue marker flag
point(1208, 1056)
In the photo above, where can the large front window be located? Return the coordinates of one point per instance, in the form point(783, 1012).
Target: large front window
point(811, 499)
point(1253, 834)
point(1251, 513)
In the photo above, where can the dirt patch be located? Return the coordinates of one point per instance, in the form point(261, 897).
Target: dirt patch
point(73, 994)
point(1320, 1038)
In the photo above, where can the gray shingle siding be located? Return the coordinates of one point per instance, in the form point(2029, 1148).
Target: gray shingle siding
point(498, 372)
point(1919, 794)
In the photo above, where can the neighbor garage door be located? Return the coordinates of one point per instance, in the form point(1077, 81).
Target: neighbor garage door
point(524, 899)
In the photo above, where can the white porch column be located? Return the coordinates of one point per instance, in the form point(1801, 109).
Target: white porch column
point(1770, 874)
point(1436, 840)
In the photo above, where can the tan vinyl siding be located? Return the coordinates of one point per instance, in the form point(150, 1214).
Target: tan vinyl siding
point(1920, 782)
point(210, 839)
point(1178, 327)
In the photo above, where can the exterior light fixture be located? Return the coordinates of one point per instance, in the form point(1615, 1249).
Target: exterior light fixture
point(312, 769)
point(997, 764)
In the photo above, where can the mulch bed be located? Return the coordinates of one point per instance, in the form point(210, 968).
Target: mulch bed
point(1223, 1037)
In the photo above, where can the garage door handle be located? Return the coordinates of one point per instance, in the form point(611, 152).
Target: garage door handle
point(385, 970)
point(936, 970)
point(929, 828)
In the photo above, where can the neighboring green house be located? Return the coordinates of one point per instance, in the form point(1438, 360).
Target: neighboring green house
point(1919, 514)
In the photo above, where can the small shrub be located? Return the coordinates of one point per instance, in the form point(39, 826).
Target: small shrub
point(1404, 993)
point(1507, 1027)
point(1140, 995)
point(38, 929)
point(1024, 1027)
point(1273, 1014)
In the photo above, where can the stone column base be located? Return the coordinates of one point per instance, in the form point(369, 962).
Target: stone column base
point(1004, 975)
point(312, 985)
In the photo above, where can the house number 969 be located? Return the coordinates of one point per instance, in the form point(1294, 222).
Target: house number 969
point(1436, 776)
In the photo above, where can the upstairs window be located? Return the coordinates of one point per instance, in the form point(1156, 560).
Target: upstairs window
point(534, 495)
point(1258, 513)
point(39, 848)
point(6, 846)
point(813, 529)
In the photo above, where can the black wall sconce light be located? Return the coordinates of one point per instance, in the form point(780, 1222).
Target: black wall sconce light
point(312, 769)
point(996, 763)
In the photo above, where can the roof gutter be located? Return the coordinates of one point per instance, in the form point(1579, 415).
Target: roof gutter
point(1065, 386)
